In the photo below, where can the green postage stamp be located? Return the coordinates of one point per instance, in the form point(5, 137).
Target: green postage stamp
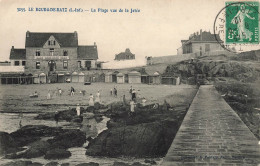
point(242, 22)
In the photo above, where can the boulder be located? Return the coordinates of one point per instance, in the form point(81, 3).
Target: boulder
point(57, 154)
point(31, 133)
point(88, 164)
point(140, 140)
point(68, 138)
point(22, 163)
point(53, 163)
point(6, 143)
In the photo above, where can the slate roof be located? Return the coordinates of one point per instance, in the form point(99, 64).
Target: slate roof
point(38, 39)
point(17, 53)
point(204, 37)
point(87, 52)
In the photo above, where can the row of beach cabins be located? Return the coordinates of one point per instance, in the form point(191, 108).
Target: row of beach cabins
point(133, 77)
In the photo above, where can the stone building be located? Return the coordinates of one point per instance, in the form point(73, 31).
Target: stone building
point(200, 43)
point(127, 55)
point(54, 53)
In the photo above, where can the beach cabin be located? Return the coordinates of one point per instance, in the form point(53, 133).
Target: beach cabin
point(67, 77)
point(134, 77)
point(120, 78)
point(108, 77)
point(36, 79)
point(81, 77)
point(114, 76)
point(168, 79)
point(42, 78)
point(61, 78)
point(74, 77)
point(156, 78)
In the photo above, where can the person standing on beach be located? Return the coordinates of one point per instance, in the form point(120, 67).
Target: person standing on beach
point(91, 100)
point(78, 110)
point(111, 92)
point(97, 97)
point(56, 117)
point(72, 91)
point(60, 91)
point(133, 95)
point(115, 91)
point(49, 95)
point(132, 107)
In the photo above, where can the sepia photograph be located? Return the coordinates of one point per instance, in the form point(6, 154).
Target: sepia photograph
point(129, 83)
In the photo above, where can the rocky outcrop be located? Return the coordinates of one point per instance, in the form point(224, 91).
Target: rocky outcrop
point(22, 163)
point(7, 143)
point(68, 139)
point(234, 69)
point(88, 164)
point(55, 139)
point(147, 133)
point(57, 154)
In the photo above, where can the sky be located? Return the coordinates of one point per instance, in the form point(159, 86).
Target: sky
point(157, 30)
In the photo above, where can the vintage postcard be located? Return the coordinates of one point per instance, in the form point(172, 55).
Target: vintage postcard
point(129, 83)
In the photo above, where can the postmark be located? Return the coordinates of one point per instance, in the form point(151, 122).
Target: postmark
point(237, 25)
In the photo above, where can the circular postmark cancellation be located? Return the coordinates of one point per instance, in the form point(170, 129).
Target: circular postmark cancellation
point(236, 26)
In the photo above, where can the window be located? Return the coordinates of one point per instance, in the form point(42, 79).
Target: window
point(38, 52)
point(51, 51)
point(207, 47)
point(79, 64)
point(65, 53)
point(51, 42)
point(65, 64)
point(16, 63)
point(38, 65)
point(23, 63)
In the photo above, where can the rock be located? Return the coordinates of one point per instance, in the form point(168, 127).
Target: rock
point(37, 149)
point(149, 133)
point(152, 162)
point(65, 164)
point(31, 133)
point(6, 143)
point(88, 164)
point(141, 140)
point(53, 163)
point(126, 164)
point(67, 139)
point(77, 119)
point(22, 163)
point(57, 154)
point(116, 163)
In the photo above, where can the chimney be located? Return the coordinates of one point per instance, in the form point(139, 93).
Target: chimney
point(12, 50)
point(27, 34)
point(95, 44)
point(201, 34)
point(75, 34)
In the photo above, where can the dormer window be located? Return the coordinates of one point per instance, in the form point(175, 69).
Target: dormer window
point(51, 51)
point(51, 42)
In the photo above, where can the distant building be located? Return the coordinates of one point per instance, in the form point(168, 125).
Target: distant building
point(5, 63)
point(54, 57)
point(54, 52)
point(202, 42)
point(125, 55)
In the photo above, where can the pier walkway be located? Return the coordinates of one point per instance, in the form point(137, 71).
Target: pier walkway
point(212, 134)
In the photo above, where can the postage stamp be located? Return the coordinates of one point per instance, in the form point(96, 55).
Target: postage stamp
point(242, 22)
